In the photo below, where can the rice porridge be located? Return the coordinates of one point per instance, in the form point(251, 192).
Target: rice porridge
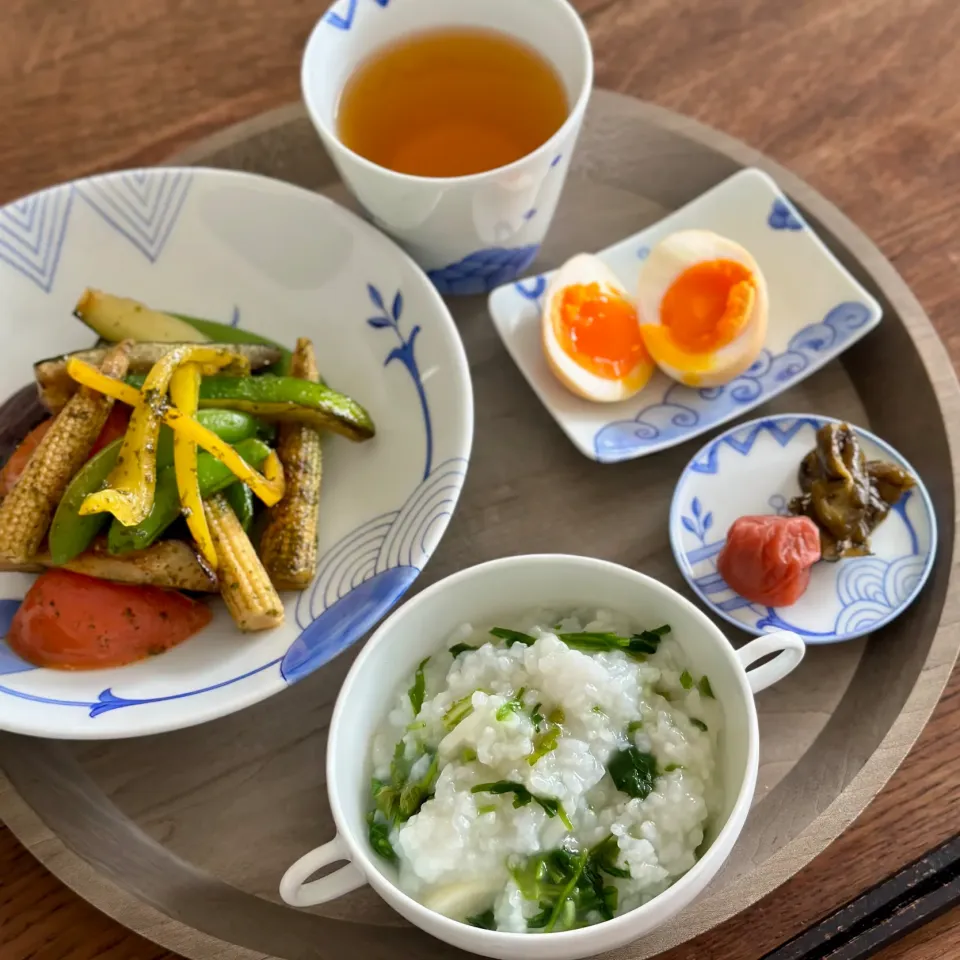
point(546, 772)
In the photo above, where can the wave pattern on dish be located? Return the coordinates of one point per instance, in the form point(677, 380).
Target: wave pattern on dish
point(682, 409)
point(368, 571)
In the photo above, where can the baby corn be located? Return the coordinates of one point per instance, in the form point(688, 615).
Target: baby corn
point(288, 546)
point(26, 512)
point(244, 585)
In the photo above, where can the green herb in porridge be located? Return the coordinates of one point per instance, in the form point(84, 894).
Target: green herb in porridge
point(633, 772)
point(419, 688)
point(522, 796)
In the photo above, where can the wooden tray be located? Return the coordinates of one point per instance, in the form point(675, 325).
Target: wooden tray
point(183, 837)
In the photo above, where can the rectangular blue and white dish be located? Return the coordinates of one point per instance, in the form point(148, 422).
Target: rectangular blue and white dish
point(817, 310)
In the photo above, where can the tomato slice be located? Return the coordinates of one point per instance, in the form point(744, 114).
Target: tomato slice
point(72, 622)
point(20, 457)
point(114, 428)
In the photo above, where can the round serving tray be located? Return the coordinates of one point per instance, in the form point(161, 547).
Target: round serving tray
point(183, 837)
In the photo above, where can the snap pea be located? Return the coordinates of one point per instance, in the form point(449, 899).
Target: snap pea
point(240, 498)
point(230, 425)
point(70, 534)
point(213, 477)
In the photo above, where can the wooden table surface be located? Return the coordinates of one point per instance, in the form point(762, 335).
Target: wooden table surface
point(859, 98)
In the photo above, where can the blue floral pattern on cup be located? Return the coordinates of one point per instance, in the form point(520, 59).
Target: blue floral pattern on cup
point(483, 270)
point(344, 21)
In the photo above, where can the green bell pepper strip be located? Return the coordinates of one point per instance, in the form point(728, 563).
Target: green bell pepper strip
point(240, 498)
point(213, 476)
point(284, 399)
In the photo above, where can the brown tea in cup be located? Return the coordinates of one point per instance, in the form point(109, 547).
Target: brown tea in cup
point(451, 102)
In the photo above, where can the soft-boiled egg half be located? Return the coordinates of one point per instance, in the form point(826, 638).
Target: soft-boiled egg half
point(703, 307)
point(591, 332)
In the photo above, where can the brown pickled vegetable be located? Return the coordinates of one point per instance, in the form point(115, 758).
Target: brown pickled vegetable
point(846, 495)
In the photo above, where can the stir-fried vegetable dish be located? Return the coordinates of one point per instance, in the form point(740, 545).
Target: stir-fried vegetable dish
point(179, 455)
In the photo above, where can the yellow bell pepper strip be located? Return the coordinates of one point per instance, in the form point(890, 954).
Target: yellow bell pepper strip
point(130, 486)
point(269, 487)
point(184, 390)
point(90, 376)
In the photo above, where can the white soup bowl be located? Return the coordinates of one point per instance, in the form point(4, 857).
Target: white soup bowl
point(480, 594)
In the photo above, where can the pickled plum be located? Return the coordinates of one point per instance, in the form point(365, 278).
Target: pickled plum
point(767, 560)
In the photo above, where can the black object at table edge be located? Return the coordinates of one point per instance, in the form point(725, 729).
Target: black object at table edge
point(912, 897)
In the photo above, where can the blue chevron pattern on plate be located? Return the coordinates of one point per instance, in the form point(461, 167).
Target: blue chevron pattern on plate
point(32, 232)
point(752, 469)
point(533, 289)
point(817, 310)
point(483, 270)
point(142, 206)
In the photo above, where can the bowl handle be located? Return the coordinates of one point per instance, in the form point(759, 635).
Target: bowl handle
point(789, 649)
point(298, 893)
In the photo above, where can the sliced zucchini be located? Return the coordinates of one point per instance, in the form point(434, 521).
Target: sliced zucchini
point(120, 318)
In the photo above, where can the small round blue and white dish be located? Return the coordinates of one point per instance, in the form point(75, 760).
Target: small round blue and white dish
point(281, 262)
point(752, 469)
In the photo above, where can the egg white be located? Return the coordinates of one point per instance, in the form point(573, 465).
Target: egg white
point(584, 268)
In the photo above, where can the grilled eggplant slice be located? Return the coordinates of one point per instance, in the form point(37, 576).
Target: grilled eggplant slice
point(169, 563)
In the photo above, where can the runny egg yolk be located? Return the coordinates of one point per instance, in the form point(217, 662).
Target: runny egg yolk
point(599, 330)
point(708, 305)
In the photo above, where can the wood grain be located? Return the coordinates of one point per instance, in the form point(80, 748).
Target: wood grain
point(856, 98)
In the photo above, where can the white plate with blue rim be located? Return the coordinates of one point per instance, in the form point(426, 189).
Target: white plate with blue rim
point(817, 310)
point(752, 469)
point(282, 262)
